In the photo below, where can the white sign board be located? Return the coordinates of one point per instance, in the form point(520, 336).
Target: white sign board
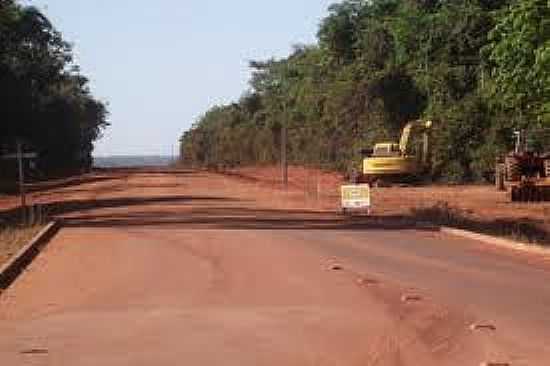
point(356, 197)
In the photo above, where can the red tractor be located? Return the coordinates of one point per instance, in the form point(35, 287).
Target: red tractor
point(526, 171)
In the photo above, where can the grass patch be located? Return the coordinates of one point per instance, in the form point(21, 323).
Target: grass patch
point(13, 238)
point(524, 230)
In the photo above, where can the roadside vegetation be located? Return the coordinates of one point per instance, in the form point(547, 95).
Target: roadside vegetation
point(44, 98)
point(478, 68)
point(13, 238)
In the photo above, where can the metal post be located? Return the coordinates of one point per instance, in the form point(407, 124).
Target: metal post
point(21, 175)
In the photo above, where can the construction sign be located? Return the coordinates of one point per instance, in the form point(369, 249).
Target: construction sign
point(356, 197)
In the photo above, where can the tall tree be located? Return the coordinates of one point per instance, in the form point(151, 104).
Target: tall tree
point(520, 53)
point(44, 99)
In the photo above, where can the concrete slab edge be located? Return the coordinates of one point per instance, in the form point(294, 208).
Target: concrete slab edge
point(501, 242)
point(19, 262)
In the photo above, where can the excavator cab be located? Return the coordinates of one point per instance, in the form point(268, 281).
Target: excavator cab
point(386, 149)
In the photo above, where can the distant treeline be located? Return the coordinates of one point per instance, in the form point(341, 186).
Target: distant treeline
point(479, 68)
point(120, 161)
point(44, 99)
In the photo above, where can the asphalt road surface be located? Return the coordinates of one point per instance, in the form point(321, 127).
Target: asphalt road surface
point(190, 268)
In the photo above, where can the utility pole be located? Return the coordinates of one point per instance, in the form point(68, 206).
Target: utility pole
point(284, 162)
point(284, 138)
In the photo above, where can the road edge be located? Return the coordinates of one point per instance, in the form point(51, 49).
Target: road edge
point(10, 271)
point(496, 241)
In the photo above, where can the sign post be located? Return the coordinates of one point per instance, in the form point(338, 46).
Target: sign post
point(21, 175)
point(20, 156)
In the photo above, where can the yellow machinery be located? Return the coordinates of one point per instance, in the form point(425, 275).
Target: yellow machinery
point(390, 160)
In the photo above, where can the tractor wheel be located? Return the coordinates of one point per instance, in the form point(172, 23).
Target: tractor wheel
point(513, 169)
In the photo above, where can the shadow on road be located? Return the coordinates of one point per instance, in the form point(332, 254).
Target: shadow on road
point(60, 183)
point(240, 218)
point(67, 207)
point(201, 212)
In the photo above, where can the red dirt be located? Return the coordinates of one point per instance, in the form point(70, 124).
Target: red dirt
point(139, 296)
point(313, 188)
point(197, 268)
point(481, 205)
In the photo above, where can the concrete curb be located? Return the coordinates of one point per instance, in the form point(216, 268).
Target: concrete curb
point(16, 265)
point(500, 242)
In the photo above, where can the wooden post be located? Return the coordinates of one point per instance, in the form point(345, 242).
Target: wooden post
point(22, 192)
point(499, 177)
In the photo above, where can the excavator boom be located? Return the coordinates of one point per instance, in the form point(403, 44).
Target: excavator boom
point(407, 131)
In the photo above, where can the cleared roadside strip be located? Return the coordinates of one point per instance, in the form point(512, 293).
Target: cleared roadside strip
point(501, 242)
point(19, 262)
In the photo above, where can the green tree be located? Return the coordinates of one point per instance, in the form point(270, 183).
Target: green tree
point(378, 64)
point(520, 53)
point(44, 99)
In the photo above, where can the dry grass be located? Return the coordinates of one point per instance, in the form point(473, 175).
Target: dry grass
point(524, 230)
point(12, 239)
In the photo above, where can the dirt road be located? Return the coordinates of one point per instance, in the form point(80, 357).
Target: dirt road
point(182, 267)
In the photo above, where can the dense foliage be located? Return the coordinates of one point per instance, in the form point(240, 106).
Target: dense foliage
point(44, 100)
point(480, 68)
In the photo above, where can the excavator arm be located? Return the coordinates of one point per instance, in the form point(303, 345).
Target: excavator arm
point(408, 130)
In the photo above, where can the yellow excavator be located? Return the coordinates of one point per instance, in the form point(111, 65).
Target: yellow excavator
point(398, 161)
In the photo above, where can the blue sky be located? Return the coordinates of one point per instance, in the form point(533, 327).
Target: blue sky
point(160, 64)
